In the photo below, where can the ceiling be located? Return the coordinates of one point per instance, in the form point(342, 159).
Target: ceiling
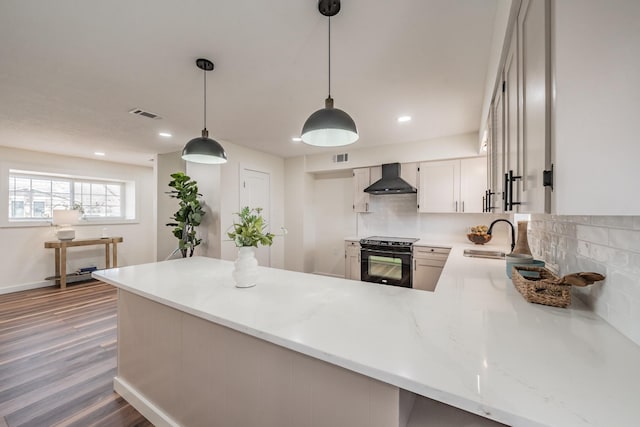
point(71, 70)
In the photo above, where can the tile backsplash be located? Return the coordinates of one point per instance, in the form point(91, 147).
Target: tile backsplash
point(609, 245)
point(396, 215)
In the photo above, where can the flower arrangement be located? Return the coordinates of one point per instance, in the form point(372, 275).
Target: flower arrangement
point(250, 231)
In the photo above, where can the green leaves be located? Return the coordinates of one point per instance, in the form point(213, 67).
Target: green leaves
point(250, 230)
point(189, 214)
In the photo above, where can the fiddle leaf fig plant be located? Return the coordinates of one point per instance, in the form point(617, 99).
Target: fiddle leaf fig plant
point(189, 214)
point(250, 231)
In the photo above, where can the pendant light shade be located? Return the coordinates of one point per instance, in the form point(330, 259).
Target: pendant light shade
point(329, 127)
point(204, 149)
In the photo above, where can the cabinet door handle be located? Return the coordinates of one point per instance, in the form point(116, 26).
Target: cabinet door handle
point(484, 202)
point(489, 194)
point(456, 206)
point(366, 207)
point(512, 179)
point(463, 206)
point(505, 191)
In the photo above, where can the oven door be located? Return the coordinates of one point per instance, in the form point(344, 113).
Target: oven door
point(386, 267)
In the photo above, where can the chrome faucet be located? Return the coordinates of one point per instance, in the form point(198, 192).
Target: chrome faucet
point(513, 232)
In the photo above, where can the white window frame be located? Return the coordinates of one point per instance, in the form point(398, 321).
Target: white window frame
point(127, 198)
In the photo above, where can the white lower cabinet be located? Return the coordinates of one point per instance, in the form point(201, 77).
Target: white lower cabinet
point(352, 260)
point(420, 411)
point(428, 262)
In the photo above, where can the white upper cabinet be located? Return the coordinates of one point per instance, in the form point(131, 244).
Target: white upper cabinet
point(439, 186)
point(496, 153)
point(409, 172)
point(452, 185)
point(513, 153)
point(362, 178)
point(473, 176)
point(534, 142)
point(566, 103)
point(596, 105)
point(520, 146)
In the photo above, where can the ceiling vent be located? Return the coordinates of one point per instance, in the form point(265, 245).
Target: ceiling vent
point(341, 158)
point(143, 113)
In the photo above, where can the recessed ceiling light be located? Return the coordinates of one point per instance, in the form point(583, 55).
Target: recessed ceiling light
point(99, 153)
point(296, 139)
point(403, 119)
point(165, 134)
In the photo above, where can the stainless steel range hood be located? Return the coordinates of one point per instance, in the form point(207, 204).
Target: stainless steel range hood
point(390, 183)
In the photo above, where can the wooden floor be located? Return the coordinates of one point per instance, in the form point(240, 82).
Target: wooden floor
point(58, 359)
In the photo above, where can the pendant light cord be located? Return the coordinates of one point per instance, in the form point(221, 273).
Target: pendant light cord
point(329, 57)
point(205, 98)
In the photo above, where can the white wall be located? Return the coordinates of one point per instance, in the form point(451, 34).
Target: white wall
point(596, 106)
point(454, 146)
point(209, 185)
point(165, 165)
point(609, 245)
point(334, 221)
point(299, 216)
point(25, 263)
point(220, 186)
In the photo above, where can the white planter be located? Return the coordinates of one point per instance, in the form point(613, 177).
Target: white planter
point(245, 273)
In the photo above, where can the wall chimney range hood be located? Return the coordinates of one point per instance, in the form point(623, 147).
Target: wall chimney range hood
point(390, 183)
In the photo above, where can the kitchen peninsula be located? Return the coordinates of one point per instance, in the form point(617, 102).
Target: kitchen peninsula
point(299, 347)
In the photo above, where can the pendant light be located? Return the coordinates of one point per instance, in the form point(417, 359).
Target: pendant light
point(329, 127)
point(204, 149)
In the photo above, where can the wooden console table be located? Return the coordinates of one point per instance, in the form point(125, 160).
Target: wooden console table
point(61, 253)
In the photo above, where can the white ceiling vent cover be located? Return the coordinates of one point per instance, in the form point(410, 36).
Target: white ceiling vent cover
point(143, 113)
point(341, 158)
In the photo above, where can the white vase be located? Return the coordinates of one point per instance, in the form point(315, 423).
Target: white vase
point(245, 272)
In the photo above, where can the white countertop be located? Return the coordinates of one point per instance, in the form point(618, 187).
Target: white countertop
point(474, 343)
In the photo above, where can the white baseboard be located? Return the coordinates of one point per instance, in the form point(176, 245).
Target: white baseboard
point(26, 286)
point(150, 411)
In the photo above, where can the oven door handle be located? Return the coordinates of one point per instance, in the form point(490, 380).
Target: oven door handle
point(375, 251)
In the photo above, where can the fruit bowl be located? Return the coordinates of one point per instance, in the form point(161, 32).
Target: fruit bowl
point(478, 234)
point(479, 239)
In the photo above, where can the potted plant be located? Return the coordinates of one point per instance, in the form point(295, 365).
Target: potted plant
point(247, 234)
point(250, 231)
point(189, 214)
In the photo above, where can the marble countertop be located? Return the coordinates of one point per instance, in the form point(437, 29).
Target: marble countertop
point(474, 343)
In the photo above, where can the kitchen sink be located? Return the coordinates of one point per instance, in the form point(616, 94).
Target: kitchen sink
point(476, 253)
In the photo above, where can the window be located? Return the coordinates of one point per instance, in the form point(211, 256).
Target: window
point(33, 196)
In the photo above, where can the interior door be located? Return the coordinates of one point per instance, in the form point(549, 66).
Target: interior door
point(255, 192)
